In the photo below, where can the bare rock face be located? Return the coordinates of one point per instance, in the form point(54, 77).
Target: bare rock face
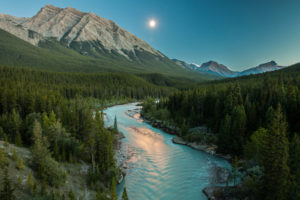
point(14, 26)
point(75, 28)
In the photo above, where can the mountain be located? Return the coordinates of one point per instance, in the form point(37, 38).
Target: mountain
point(215, 68)
point(65, 39)
point(265, 67)
point(210, 67)
point(85, 32)
point(184, 65)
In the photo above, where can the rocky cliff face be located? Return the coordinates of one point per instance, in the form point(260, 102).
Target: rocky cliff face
point(84, 32)
point(14, 26)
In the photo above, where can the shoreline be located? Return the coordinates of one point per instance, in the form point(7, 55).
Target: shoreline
point(172, 130)
point(210, 149)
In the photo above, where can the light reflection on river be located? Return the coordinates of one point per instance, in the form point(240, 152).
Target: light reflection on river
point(160, 169)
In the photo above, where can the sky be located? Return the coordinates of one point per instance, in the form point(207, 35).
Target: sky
point(237, 33)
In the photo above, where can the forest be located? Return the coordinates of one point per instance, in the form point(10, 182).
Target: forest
point(255, 119)
point(58, 116)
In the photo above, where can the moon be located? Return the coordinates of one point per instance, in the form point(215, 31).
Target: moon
point(152, 23)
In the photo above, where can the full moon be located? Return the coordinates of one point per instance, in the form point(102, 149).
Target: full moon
point(152, 23)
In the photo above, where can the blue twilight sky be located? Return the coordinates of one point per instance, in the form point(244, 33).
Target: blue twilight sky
point(237, 33)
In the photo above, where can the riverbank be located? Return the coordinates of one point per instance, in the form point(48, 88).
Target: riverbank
point(122, 156)
point(221, 174)
point(118, 156)
point(210, 149)
point(222, 192)
point(173, 130)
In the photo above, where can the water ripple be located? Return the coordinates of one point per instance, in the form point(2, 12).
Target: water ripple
point(161, 170)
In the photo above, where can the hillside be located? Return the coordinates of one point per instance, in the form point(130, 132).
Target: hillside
point(251, 119)
point(20, 174)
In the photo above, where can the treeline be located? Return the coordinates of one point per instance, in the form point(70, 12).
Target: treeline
point(255, 118)
point(98, 85)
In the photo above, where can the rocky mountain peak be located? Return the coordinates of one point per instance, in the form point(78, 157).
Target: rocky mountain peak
point(214, 66)
point(269, 64)
point(87, 33)
point(211, 62)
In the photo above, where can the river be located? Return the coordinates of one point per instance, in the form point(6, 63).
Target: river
point(158, 169)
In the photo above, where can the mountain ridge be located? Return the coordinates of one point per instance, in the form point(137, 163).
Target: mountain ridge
point(73, 27)
point(213, 67)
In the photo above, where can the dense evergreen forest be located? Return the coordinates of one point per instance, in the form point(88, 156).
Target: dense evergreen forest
point(255, 118)
point(58, 116)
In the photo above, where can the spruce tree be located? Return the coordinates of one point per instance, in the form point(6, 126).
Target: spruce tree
point(115, 128)
point(7, 192)
point(29, 182)
point(100, 195)
point(113, 189)
point(294, 164)
point(275, 157)
point(20, 165)
point(71, 195)
point(224, 139)
point(125, 196)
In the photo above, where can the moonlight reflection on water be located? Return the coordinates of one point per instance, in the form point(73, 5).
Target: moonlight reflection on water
point(157, 168)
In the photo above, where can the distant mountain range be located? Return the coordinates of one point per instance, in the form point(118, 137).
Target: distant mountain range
point(215, 68)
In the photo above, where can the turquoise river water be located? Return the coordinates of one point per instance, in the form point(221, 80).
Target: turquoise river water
point(158, 169)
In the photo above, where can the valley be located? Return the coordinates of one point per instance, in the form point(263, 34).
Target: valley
point(91, 111)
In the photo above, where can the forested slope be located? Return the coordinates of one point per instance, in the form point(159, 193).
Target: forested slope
point(255, 118)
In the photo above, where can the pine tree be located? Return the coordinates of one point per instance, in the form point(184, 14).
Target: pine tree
point(2, 134)
point(100, 196)
point(7, 192)
point(238, 129)
point(275, 157)
point(294, 164)
point(3, 159)
point(15, 123)
point(14, 155)
point(18, 140)
point(19, 181)
point(115, 128)
point(34, 189)
point(44, 187)
point(124, 195)
point(224, 139)
point(71, 195)
point(29, 183)
point(113, 189)
point(20, 165)
point(40, 149)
